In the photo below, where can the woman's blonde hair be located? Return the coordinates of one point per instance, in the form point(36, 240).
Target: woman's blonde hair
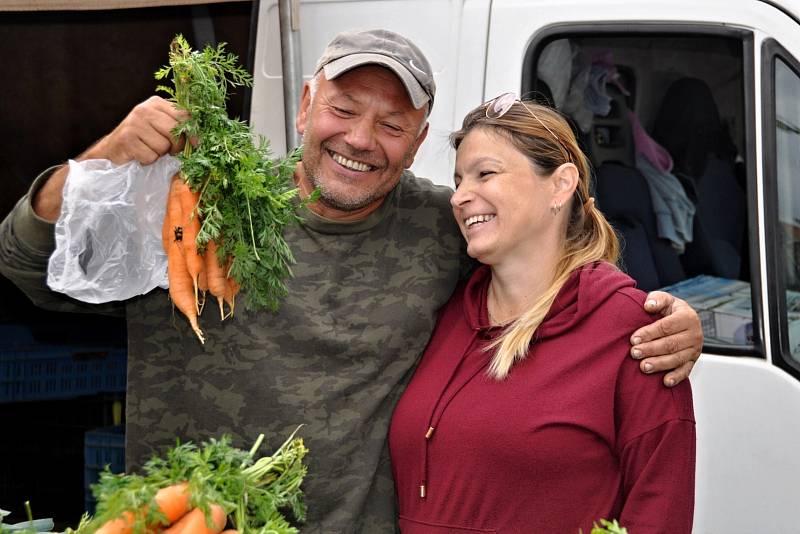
point(546, 139)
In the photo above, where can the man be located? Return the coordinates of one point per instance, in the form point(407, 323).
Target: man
point(377, 256)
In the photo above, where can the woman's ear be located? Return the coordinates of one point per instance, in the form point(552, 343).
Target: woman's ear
point(565, 181)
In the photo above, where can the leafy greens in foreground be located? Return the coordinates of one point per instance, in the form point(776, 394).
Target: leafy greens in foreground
point(253, 494)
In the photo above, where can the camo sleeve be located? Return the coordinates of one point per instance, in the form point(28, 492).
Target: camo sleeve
point(26, 242)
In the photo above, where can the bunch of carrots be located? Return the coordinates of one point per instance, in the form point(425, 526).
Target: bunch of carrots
point(192, 273)
point(203, 490)
point(175, 515)
point(229, 205)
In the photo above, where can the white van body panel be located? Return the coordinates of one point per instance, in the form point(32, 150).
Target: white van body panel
point(747, 409)
point(747, 414)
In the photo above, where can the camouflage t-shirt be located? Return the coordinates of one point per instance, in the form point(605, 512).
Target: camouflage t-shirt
point(335, 357)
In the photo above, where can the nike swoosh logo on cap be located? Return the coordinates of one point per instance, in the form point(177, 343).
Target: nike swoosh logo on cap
point(411, 62)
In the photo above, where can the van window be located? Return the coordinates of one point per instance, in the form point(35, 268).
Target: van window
point(787, 151)
point(662, 119)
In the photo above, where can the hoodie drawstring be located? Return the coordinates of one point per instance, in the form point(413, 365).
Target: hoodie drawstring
point(434, 418)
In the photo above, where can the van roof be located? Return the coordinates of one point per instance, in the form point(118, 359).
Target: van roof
point(790, 7)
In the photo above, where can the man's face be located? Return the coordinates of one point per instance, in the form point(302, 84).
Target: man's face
point(359, 134)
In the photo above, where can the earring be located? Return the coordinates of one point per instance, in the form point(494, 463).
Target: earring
point(555, 208)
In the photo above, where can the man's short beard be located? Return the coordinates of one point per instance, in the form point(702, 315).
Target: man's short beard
point(340, 204)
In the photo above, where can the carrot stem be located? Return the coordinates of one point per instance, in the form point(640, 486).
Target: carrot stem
point(250, 223)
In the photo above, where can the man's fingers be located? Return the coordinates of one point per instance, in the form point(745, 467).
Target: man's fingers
point(678, 375)
point(679, 364)
point(672, 343)
point(167, 107)
point(666, 326)
point(142, 151)
point(156, 143)
point(161, 122)
point(681, 318)
point(667, 345)
point(659, 302)
point(144, 135)
point(666, 362)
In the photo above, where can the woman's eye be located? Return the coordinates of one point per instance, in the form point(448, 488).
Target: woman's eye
point(484, 174)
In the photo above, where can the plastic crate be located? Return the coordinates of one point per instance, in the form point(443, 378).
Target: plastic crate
point(47, 372)
point(102, 447)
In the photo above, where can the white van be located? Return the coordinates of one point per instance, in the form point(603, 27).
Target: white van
point(714, 85)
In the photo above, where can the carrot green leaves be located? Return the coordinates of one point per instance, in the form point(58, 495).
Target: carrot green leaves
point(246, 197)
point(256, 495)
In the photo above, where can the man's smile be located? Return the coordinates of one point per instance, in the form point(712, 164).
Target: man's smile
point(349, 163)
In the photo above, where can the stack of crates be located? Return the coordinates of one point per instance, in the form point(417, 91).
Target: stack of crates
point(31, 371)
point(53, 394)
point(102, 447)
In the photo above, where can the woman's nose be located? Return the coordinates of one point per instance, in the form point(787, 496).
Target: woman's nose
point(461, 196)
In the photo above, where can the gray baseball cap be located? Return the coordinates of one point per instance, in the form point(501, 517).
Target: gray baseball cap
point(349, 50)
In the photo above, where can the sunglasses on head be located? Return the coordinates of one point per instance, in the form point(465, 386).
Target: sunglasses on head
point(499, 106)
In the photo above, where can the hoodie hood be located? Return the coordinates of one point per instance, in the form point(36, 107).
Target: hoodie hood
point(585, 290)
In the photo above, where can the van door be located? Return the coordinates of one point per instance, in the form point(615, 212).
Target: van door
point(704, 82)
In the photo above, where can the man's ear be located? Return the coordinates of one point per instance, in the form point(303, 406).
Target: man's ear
point(417, 143)
point(302, 111)
point(565, 181)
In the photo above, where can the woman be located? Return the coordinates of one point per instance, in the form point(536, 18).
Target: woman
point(526, 414)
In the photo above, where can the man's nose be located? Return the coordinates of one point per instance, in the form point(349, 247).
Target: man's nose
point(361, 134)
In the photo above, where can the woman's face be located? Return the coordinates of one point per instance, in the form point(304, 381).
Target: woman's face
point(501, 204)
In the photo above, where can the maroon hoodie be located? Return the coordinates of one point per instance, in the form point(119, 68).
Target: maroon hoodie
point(575, 433)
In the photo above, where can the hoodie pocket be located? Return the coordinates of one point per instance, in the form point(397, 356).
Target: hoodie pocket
point(411, 526)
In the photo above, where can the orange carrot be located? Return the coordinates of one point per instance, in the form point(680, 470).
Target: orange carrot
point(190, 222)
point(120, 525)
point(174, 211)
point(231, 289)
point(181, 287)
point(173, 501)
point(202, 286)
point(215, 274)
point(171, 228)
point(166, 233)
point(195, 522)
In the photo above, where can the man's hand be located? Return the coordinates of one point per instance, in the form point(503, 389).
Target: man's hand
point(673, 343)
point(144, 135)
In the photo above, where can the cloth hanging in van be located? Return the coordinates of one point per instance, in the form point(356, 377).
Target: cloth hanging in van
point(552, 70)
point(565, 70)
point(603, 71)
point(672, 207)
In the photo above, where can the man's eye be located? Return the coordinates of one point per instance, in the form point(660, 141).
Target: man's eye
point(483, 174)
point(392, 127)
point(342, 111)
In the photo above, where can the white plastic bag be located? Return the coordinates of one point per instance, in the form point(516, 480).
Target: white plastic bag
point(108, 236)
